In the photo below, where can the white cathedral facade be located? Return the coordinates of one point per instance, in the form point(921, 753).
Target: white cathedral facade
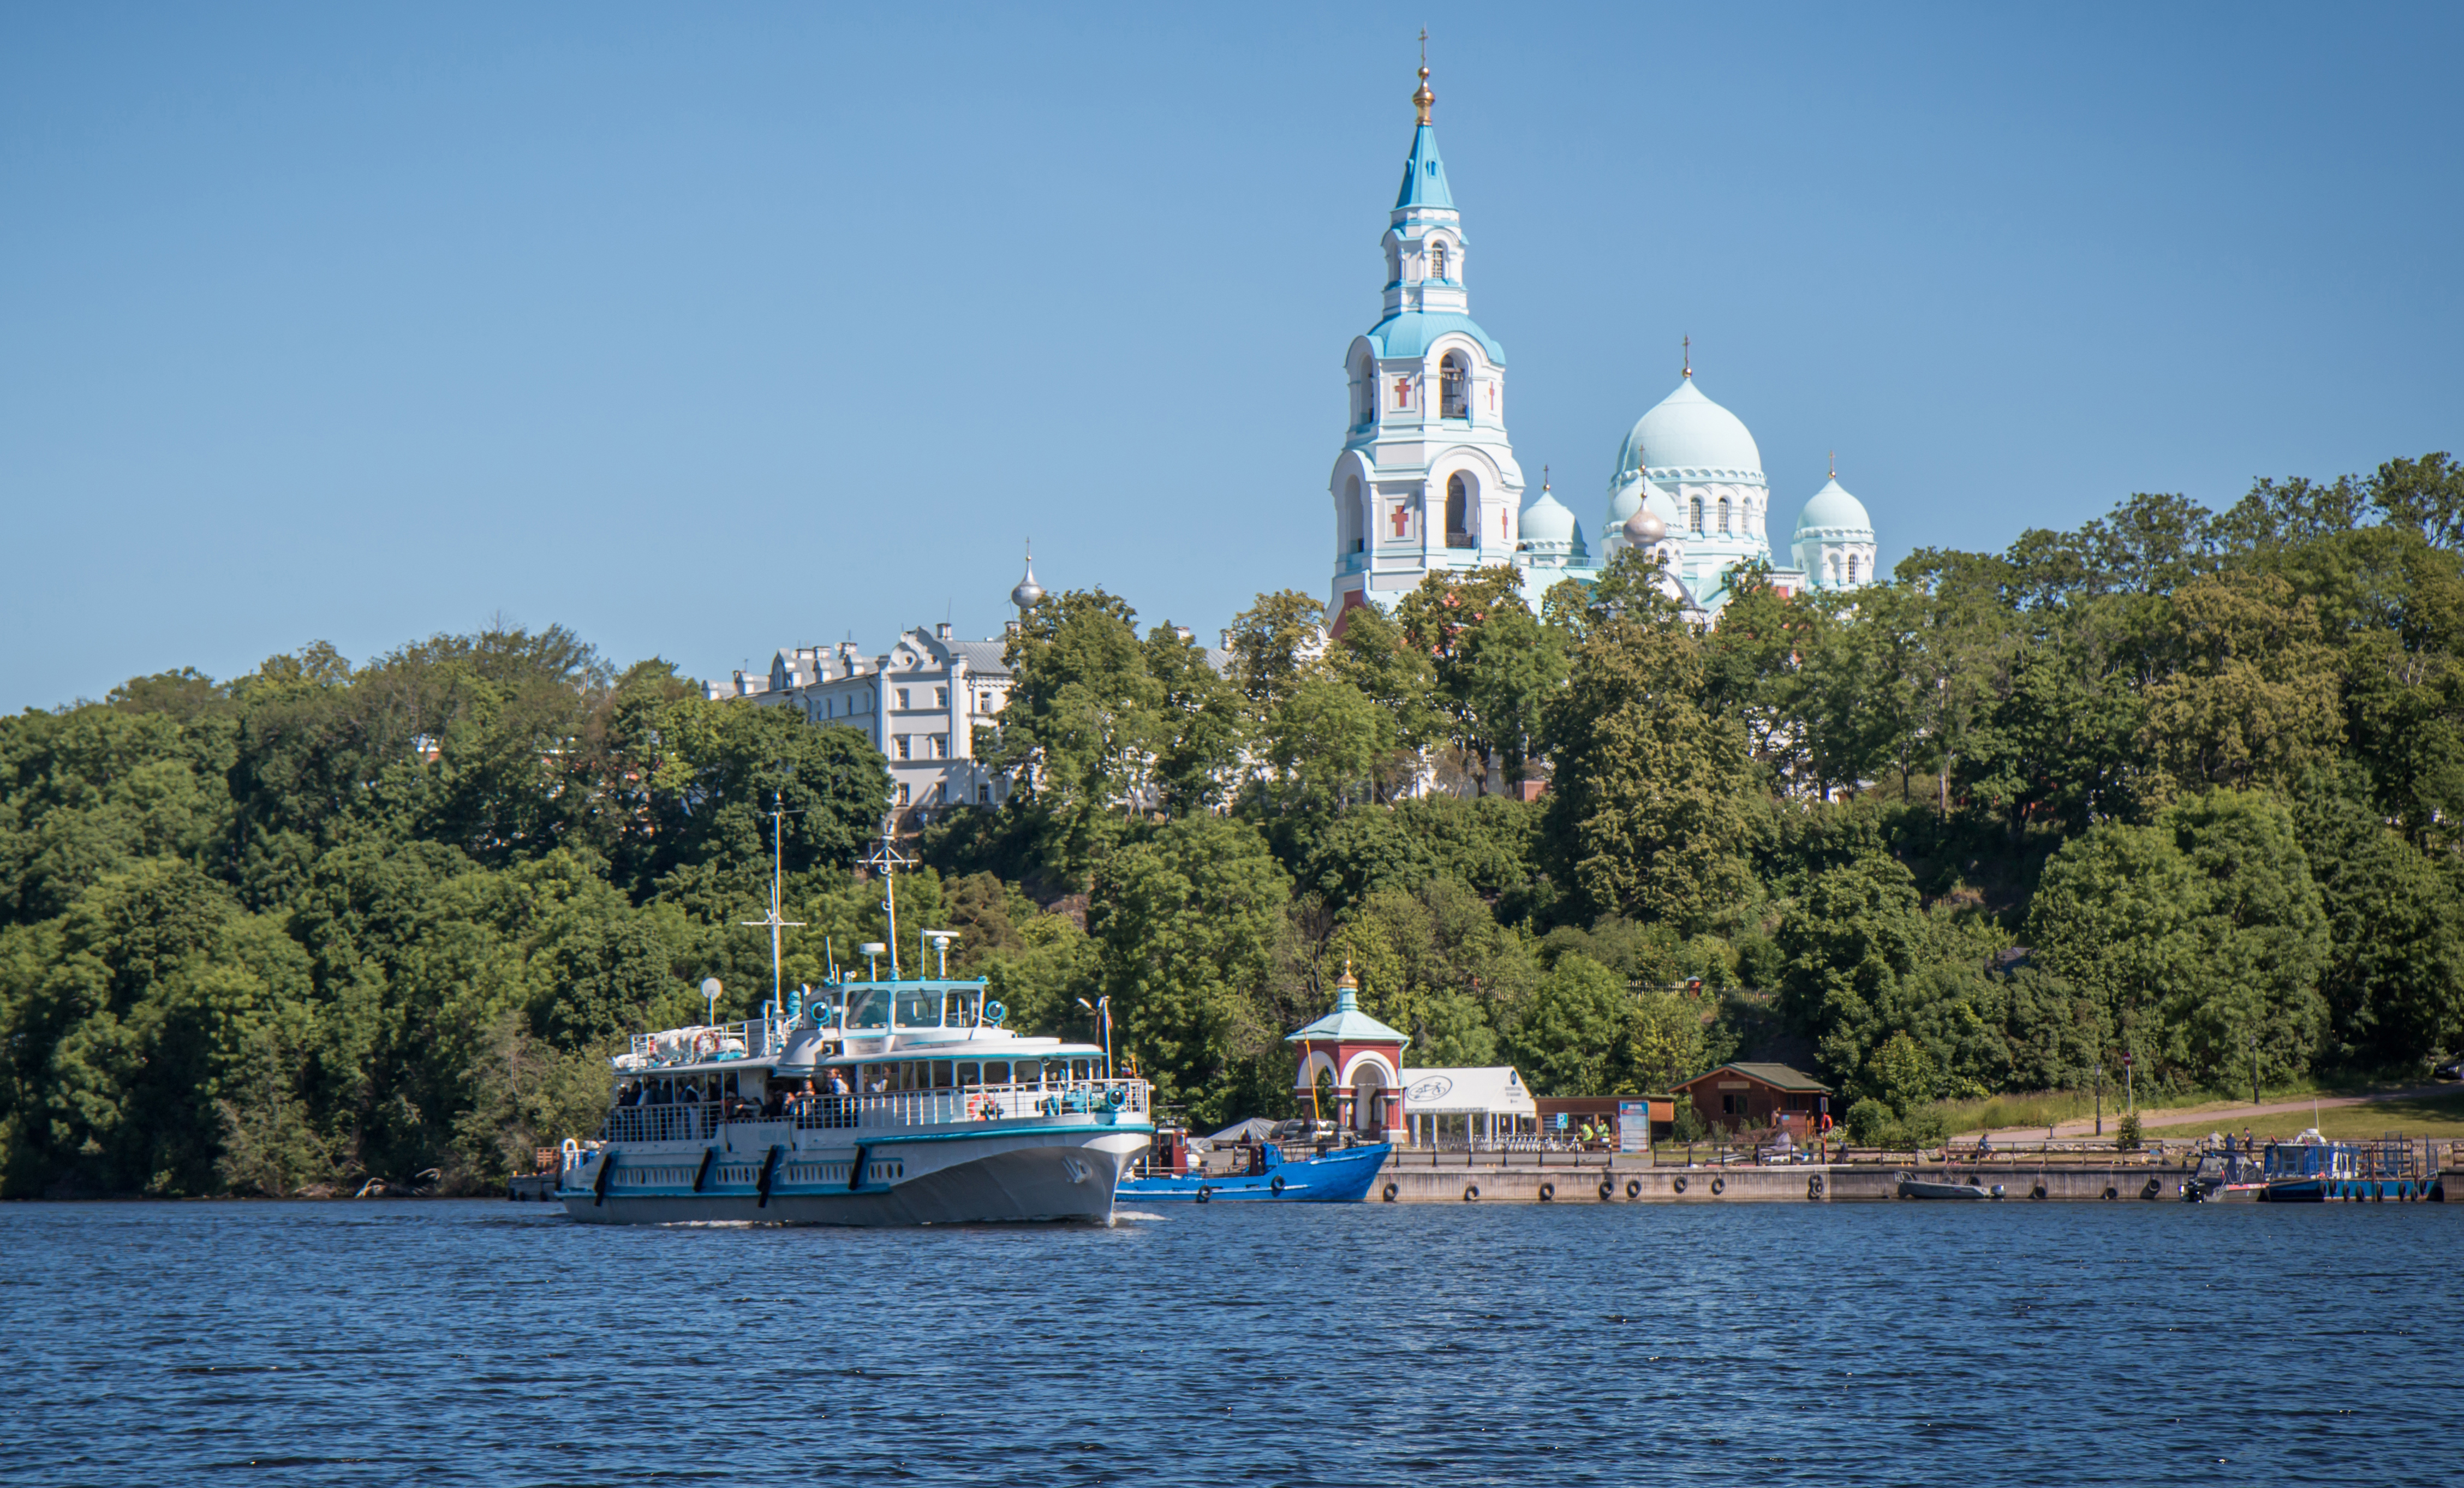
point(1427, 481)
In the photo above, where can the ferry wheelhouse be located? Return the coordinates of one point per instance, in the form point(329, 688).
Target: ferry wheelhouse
point(868, 1102)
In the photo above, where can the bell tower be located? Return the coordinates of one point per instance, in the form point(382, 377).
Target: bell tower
point(1427, 479)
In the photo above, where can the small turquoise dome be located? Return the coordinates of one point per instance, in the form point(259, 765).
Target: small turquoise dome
point(1546, 522)
point(1832, 509)
point(1688, 431)
point(1623, 503)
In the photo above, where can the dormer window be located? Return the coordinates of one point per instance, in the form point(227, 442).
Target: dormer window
point(1454, 388)
point(1438, 260)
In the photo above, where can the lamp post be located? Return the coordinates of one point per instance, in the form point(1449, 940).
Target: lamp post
point(2099, 1098)
point(2253, 1069)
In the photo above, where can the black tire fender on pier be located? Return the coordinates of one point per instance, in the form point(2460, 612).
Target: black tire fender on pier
point(2038, 1192)
point(1813, 1186)
point(1548, 1192)
point(2110, 1191)
point(1677, 1183)
point(1388, 1192)
point(1720, 1185)
point(2154, 1188)
point(1471, 1192)
point(1634, 1187)
point(1608, 1191)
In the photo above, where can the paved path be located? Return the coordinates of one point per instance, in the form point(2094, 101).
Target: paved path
point(2219, 1118)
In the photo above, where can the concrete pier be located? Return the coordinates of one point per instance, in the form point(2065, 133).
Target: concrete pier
point(1807, 1184)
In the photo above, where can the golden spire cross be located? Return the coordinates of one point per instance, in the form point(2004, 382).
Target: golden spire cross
point(1689, 355)
point(1835, 465)
point(1423, 97)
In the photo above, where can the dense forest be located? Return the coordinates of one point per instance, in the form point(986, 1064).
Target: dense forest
point(2179, 784)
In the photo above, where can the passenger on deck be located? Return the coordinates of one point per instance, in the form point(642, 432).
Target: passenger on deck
point(838, 1081)
point(658, 1095)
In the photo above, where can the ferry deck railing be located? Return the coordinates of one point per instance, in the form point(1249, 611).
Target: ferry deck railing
point(701, 1121)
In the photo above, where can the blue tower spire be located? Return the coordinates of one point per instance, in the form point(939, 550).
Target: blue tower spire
point(1425, 174)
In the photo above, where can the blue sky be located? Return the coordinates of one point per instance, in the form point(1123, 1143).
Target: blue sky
point(709, 329)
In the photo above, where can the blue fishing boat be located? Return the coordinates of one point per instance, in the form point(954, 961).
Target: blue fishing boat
point(1340, 1175)
point(2312, 1170)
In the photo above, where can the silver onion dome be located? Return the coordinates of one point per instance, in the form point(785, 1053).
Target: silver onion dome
point(1644, 527)
point(1028, 591)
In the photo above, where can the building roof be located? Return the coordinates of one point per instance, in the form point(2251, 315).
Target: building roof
point(1347, 1023)
point(1425, 174)
point(1783, 1076)
point(1687, 434)
point(1410, 333)
point(1833, 507)
point(1495, 1090)
point(983, 658)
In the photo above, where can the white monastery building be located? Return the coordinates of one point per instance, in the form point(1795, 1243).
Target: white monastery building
point(1427, 481)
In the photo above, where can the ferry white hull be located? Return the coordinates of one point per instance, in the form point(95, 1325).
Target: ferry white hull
point(1038, 1171)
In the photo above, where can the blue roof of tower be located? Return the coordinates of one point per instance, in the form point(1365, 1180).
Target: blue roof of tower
point(1409, 333)
point(1425, 174)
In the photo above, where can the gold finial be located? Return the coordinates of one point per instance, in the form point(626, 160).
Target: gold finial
point(1835, 465)
point(1423, 98)
point(1689, 355)
point(1347, 980)
point(1544, 480)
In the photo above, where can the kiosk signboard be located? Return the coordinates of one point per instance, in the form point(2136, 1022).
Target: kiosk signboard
point(1634, 1126)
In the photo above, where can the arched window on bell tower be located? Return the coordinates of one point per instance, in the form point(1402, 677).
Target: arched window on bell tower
point(1723, 517)
point(1459, 531)
point(1364, 395)
point(1851, 570)
point(1349, 525)
point(1454, 387)
point(1694, 522)
point(1438, 259)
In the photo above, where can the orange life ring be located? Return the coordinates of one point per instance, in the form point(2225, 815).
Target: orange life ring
point(705, 1043)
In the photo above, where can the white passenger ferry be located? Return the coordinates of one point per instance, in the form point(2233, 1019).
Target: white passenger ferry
point(871, 1102)
point(875, 1102)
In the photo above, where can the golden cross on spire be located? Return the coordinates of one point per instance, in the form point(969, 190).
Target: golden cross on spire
point(1835, 465)
point(1423, 97)
point(1689, 355)
point(1544, 477)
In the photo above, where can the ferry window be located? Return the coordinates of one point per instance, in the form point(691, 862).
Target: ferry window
point(919, 1009)
point(996, 1073)
point(970, 1075)
point(1078, 1069)
point(869, 1007)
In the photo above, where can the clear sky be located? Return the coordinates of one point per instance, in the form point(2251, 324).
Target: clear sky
point(709, 329)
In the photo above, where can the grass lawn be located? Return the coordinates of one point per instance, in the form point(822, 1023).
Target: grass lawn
point(2043, 1109)
point(2440, 1116)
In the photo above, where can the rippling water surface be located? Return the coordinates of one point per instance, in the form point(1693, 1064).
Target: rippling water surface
point(493, 1343)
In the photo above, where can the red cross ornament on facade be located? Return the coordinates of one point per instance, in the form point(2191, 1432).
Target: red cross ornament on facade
point(1403, 520)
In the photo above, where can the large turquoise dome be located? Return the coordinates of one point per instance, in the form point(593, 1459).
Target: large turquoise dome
point(1687, 434)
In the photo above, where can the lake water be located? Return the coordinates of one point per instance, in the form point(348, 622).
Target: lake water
point(499, 1344)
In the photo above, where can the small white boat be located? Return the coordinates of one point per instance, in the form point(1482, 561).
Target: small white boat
point(1913, 1186)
